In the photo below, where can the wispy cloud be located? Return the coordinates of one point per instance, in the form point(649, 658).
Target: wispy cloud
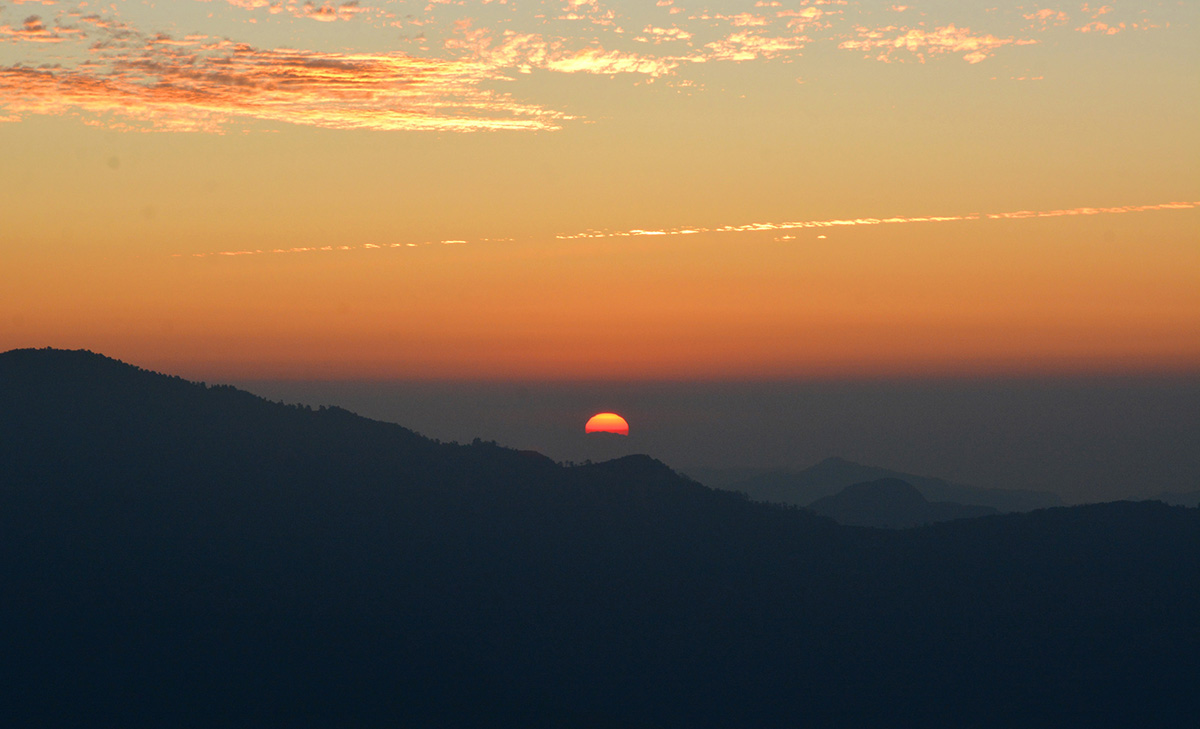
point(741, 228)
point(332, 248)
point(850, 222)
point(195, 84)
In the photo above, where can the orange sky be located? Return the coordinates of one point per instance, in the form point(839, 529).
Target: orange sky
point(387, 233)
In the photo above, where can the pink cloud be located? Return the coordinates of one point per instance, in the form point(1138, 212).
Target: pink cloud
point(1046, 17)
point(1097, 26)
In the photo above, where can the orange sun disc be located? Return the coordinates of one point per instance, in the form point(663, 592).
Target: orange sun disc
point(607, 423)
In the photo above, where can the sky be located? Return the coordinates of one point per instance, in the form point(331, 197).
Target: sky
point(617, 190)
point(557, 191)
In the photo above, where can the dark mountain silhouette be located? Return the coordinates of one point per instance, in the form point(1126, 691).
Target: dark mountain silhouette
point(604, 446)
point(183, 555)
point(801, 488)
point(890, 503)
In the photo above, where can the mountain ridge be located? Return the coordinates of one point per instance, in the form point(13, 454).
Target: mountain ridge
point(191, 554)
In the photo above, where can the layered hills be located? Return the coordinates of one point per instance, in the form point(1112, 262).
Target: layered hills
point(890, 503)
point(180, 554)
point(828, 477)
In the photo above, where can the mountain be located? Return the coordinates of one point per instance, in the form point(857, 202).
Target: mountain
point(603, 446)
point(180, 554)
point(890, 503)
point(801, 488)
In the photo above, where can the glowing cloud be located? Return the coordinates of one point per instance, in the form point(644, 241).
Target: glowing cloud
point(750, 228)
point(851, 222)
point(921, 43)
point(193, 85)
point(111, 73)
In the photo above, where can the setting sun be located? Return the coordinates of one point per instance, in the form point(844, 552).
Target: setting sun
point(607, 423)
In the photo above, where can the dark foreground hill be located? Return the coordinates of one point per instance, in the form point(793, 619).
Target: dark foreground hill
point(179, 555)
point(890, 503)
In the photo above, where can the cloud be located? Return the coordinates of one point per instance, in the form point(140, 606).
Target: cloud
point(324, 11)
point(886, 41)
point(1046, 17)
point(160, 83)
point(108, 72)
point(1023, 214)
point(34, 30)
point(600, 61)
point(805, 17)
point(749, 46)
point(852, 222)
point(746, 228)
point(328, 12)
point(654, 34)
point(1097, 26)
point(527, 51)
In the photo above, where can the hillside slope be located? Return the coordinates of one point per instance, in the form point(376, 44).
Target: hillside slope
point(195, 556)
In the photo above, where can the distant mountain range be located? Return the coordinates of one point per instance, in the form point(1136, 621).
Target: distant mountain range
point(891, 504)
point(176, 554)
point(802, 488)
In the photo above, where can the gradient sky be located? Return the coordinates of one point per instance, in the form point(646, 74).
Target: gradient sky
point(575, 189)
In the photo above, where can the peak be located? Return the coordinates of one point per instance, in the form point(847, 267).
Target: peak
point(50, 354)
point(638, 462)
point(49, 363)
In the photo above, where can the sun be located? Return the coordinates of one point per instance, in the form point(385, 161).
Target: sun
point(607, 423)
